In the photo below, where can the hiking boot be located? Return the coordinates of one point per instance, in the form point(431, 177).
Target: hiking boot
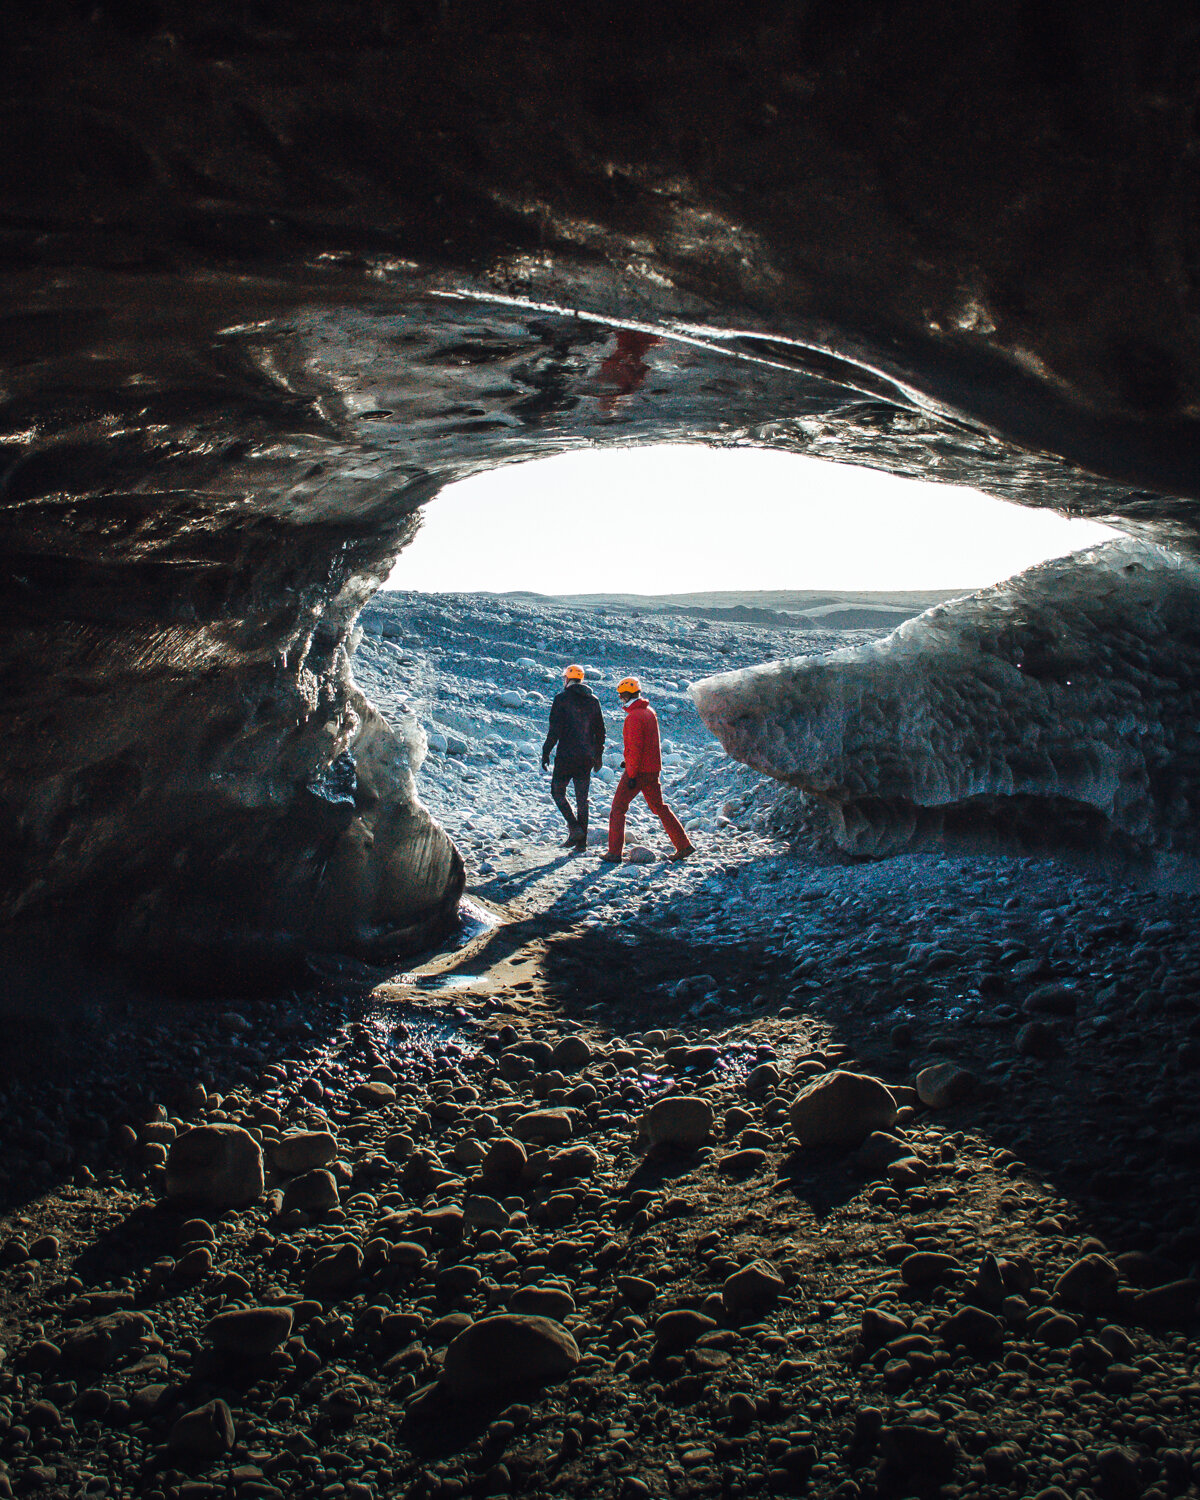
point(681, 854)
point(610, 859)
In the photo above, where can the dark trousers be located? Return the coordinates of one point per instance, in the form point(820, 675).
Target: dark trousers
point(577, 822)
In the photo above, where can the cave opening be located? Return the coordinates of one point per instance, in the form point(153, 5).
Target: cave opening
point(550, 1212)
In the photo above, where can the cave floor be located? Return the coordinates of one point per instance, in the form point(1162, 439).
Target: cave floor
point(1070, 1005)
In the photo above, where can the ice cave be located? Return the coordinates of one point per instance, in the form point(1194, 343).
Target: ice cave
point(275, 276)
point(859, 1169)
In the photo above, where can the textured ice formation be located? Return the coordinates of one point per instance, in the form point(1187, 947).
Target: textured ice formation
point(1063, 701)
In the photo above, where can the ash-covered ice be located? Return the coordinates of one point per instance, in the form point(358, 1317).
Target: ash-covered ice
point(1062, 702)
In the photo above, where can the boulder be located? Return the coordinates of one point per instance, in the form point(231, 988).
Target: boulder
point(755, 1285)
point(334, 1270)
point(220, 1166)
point(313, 1192)
point(250, 1332)
point(505, 1158)
point(505, 1352)
point(302, 1151)
point(543, 1125)
point(102, 1342)
point(841, 1109)
point(1089, 1285)
point(571, 1054)
point(543, 1302)
point(680, 1328)
point(944, 1084)
point(373, 1095)
point(204, 1434)
point(683, 1120)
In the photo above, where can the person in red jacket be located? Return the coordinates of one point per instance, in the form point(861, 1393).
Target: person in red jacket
point(643, 766)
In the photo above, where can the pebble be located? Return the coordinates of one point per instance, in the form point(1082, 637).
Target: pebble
point(219, 1165)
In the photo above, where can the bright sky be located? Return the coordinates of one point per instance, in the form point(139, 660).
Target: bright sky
point(686, 519)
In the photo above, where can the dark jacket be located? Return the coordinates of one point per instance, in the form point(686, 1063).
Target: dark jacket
point(576, 727)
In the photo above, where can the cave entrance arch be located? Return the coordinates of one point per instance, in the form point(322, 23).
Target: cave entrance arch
point(194, 773)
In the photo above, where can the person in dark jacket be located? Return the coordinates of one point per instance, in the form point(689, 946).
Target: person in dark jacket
point(577, 728)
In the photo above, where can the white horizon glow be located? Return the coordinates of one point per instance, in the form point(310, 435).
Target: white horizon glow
point(683, 518)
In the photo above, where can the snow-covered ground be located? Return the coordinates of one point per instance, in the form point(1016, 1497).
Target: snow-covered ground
point(478, 674)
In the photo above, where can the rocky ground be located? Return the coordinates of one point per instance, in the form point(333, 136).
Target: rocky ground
point(541, 1214)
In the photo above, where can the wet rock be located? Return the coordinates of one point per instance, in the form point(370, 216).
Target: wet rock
point(314, 1192)
point(543, 1302)
point(929, 1268)
point(571, 1054)
point(681, 1120)
point(841, 1109)
point(505, 1158)
point(333, 1271)
point(482, 1212)
point(636, 1290)
point(104, 1341)
point(944, 1084)
point(303, 1150)
point(755, 1285)
point(680, 1328)
point(543, 1125)
point(507, 1351)
point(1117, 1471)
point(202, 1435)
point(374, 1094)
point(880, 1328)
point(250, 1332)
point(219, 1165)
point(1089, 1285)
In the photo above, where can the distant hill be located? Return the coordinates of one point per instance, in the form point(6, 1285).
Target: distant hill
point(829, 610)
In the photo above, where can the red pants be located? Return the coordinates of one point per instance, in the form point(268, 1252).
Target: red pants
point(649, 787)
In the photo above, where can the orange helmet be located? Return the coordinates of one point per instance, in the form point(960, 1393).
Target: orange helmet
point(574, 674)
point(629, 685)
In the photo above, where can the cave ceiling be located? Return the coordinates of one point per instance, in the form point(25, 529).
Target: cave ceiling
point(274, 274)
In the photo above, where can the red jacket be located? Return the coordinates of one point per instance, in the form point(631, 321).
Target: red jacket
point(642, 755)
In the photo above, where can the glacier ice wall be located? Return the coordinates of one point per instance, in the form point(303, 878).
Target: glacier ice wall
point(1065, 698)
